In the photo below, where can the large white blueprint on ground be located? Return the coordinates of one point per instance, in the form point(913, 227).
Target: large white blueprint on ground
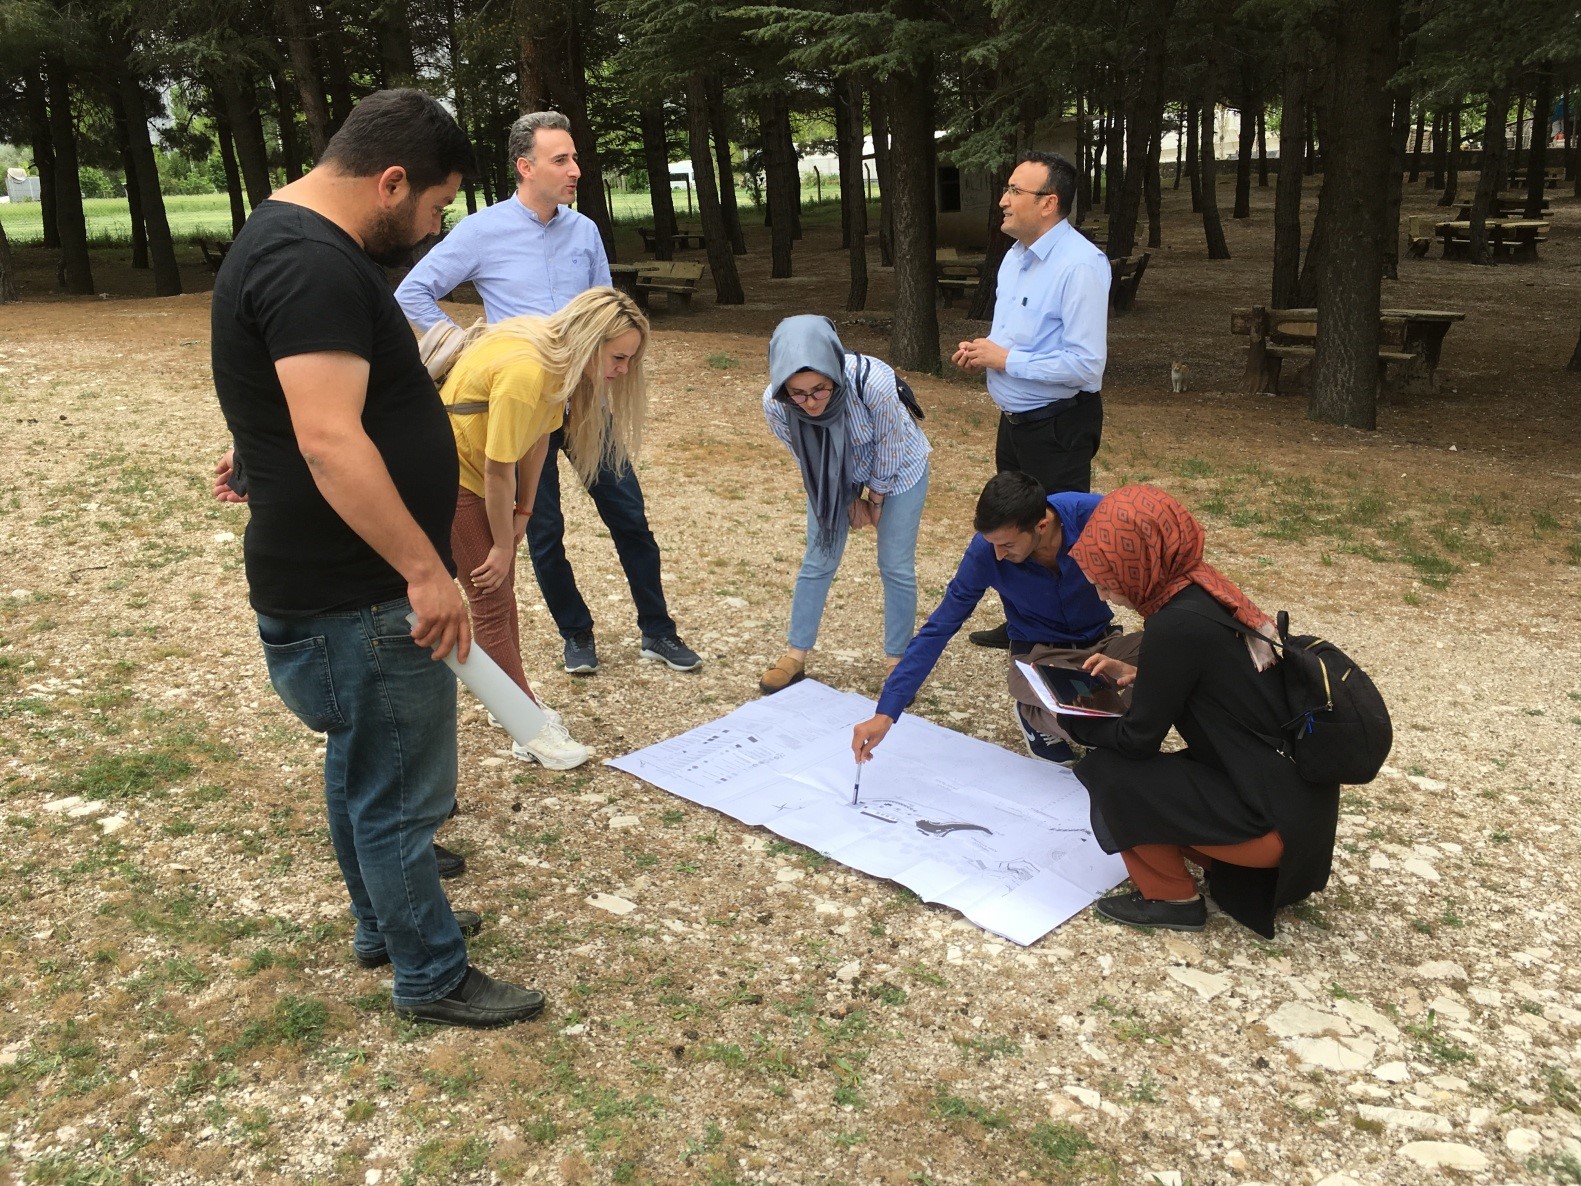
point(1001, 837)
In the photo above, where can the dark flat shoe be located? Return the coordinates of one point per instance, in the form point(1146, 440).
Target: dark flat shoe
point(998, 638)
point(479, 1002)
point(1134, 910)
point(451, 864)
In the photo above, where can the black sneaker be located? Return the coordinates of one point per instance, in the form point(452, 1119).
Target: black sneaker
point(1041, 745)
point(998, 638)
point(1134, 910)
point(451, 864)
point(479, 1002)
point(470, 922)
point(671, 651)
point(581, 656)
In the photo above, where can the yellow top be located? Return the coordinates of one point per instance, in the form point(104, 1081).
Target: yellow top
point(506, 373)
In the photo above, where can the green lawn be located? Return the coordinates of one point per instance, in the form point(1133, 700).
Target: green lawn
point(208, 216)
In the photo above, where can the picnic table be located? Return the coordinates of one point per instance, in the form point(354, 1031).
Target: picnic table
point(1413, 337)
point(680, 241)
point(1515, 237)
point(1504, 206)
point(677, 279)
point(214, 252)
point(956, 275)
point(1551, 178)
point(1125, 277)
point(624, 277)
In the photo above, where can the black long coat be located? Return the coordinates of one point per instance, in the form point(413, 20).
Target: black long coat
point(1229, 784)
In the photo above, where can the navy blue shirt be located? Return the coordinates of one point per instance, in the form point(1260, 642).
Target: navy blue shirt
point(1056, 605)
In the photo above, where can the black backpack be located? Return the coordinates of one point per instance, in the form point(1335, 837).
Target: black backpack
point(1341, 731)
point(908, 397)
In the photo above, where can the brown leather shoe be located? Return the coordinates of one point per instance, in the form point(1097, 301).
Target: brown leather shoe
point(789, 670)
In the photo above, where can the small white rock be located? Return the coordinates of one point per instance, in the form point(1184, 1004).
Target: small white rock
point(1441, 970)
point(610, 903)
point(625, 821)
point(1392, 1072)
point(1164, 1178)
point(1334, 1054)
point(1421, 868)
point(846, 973)
point(1405, 1118)
point(373, 1177)
point(1449, 1155)
point(1523, 1141)
point(1085, 1096)
point(112, 823)
point(1205, 984)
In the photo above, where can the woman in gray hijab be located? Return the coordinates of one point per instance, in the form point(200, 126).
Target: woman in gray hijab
point(863, 462)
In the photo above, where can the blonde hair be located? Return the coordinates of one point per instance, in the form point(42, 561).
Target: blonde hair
point(567, 344)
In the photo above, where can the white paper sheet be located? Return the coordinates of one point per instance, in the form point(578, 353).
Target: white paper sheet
point(1001, 837)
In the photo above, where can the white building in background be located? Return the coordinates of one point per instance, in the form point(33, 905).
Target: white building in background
point(19, 187)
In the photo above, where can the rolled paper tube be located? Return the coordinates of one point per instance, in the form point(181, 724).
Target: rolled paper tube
point(486, 680)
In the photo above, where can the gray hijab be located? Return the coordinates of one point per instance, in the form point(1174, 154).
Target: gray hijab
point(809, 343)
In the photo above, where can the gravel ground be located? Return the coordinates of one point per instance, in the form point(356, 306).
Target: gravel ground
point(178, 1001)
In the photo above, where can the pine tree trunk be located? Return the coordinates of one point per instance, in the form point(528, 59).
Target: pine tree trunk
point(878, 103)
point(914, 337)
point(1154, 186)
point(1512, 160)
point(296, 24)
point(1537, 155)
point(794, 173)
point(719, 123)
point(853, 198)
point(43, 155)
point(1193, 173)
point(337, 74)
point(1246, 142)
point(1452, 160)
point(1212, 225)
point(1262, 145)
point(1440, 138)
point(1083, 161)
point(76, 272)
point(985, 297)
point(777, 171)
point(840, 98)
point(1416, 148)
point(1391, 217)
point(1356, 135)
point(1491, 174)
point(233, 176)
point(161, 247)
point(1181, 120)
point(656, 156)
point(239, 95)
point(1119, 165)
point(134, 195)
point(1141, 127)
point(1575, 357)
point(721, 260)
point(8, 286)
point(1312, 148)
point(393, 38)
point(285, 121)
point(1287, 187)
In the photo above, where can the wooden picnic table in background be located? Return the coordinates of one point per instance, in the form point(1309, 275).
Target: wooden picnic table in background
point(1517, 237)
point(1414, 337)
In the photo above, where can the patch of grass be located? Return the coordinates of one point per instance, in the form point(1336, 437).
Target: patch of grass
point(721, 362)
point(947, 1106)
point(989, 1048)
point(1437, 1046)
point(1564, 1168)
point(1060, 1143)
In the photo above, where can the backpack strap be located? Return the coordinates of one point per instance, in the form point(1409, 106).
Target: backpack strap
point(470, 408)
point(1280, 744)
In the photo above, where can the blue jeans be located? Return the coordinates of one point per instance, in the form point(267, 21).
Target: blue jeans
point(618, 498)
point(388, 711)
point(897, 567)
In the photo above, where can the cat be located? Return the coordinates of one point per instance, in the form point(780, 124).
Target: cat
point(1179, 377)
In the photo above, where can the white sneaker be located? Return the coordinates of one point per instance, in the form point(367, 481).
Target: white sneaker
point(553, 748)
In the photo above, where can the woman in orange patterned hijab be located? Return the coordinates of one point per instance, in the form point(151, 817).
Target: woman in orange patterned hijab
point(1141, 547)
point(1229, 802)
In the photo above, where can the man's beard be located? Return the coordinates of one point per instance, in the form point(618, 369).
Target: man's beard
point(389, 241)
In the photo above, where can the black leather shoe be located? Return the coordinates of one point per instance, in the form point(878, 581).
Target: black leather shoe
point(998, 637)
point(451, 864)
point(479, 1002)
point(470, 922)
point(1134, 910)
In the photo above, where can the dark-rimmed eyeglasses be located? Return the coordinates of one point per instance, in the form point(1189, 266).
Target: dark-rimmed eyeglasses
point(1015, 191)
point(806, 397)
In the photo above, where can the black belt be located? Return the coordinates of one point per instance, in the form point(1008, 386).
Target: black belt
point(1047, 411)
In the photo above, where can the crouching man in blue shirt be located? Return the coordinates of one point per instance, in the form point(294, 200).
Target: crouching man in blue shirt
point(1021, 550)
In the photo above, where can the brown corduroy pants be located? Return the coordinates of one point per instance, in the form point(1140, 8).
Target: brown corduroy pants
point(1159, 870)
point(495, 626)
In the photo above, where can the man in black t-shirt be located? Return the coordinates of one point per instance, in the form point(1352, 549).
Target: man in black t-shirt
point(352, 477)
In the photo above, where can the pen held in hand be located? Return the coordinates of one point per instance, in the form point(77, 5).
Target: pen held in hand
point(856, 788)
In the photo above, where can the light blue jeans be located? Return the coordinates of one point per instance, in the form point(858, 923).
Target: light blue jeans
point(388, 712)
point(897, 567)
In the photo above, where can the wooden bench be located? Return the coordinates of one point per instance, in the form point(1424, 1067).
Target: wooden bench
point(956, 277)
point(214, 252)
point(1551, 178)
point(1419, 233)
point(1274, 335)
point(1504, 206)
point(1124, 279)
point(677, 279)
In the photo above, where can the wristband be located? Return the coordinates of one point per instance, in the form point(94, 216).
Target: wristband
point(524, 512)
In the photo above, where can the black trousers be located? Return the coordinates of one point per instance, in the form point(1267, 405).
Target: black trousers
point(1058, 452)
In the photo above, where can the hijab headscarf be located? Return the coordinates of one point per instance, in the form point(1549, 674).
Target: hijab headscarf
point(809, 343)
point(1145, 546)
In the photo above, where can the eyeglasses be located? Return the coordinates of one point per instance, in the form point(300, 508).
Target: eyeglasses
point(1015, 191)
point(806, 397)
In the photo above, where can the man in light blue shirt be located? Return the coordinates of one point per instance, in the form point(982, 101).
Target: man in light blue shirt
point(1045, 353)
point(530, 254)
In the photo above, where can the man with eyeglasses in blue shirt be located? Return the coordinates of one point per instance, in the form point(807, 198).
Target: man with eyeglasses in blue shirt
point(1045, 353)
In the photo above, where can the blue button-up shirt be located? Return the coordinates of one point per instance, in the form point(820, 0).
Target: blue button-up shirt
point(518, 263)
point(1049, 605)
point(1051, 311)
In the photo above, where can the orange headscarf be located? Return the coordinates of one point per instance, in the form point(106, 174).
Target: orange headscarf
point(1145, 546)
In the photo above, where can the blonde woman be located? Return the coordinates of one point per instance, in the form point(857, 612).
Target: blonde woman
point(521, 380)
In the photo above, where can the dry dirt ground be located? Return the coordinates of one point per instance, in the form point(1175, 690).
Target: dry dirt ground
point(178, 1001)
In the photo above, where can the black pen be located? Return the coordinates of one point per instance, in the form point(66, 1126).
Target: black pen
point(856, 788)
